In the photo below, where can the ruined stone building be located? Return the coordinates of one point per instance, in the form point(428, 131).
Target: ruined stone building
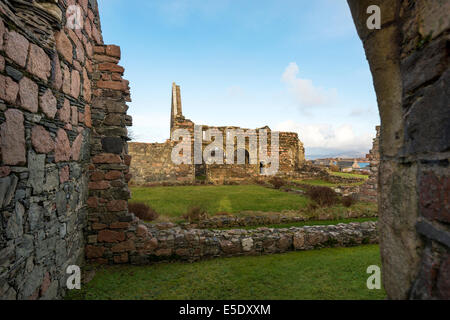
point(152, 161)
point(64, 162)
point(369, 190)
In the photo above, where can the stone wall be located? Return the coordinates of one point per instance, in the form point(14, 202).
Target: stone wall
point(409, 59)
point(369, 190)
point(152, 164)
point(149, 244)
point(45, 116)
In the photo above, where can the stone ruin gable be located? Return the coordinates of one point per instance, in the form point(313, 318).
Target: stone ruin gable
point(45, 129)
point(369, 190)
point(292, 156)
point(409, 59)
point(151, 163)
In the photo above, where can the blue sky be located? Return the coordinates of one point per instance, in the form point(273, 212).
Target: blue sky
point(293, 65)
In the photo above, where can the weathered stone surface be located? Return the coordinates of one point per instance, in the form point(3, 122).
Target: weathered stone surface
point(124, 247)
point(87, 91)
point(64, 46)
point(107, 158)
point(41, 140)
point(61, 203)
point(48, 104)
point(75, 84)
point(28, 91)
point(112, 67)
point(87, 116)
point(94, 252)
point(64, 111)
point(17, 48)
point(14, 227)
point(62, 146)
point(112, 85)
point(57, 76)
point(113, 175)
point(14, 73)
point(117, 205)
point(74, 115)
point(36, 167)
point(99, 185)
point(12, 133)
point(66, 79)
point(76, 147)
point(427, 129)
point(4, 171)
point(64, 174)
point(247, 244)
point(8, 89)
point(38, 62)
point(35, 216)
point(112, 145)
point(7, 189)
point(435, 197)
point(51, 179)
point(110, 236)
point(112, 50)
point(2, 33)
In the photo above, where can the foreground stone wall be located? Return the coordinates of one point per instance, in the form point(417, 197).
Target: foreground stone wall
point(45, 127)
point(149, 244)
point(409, 59)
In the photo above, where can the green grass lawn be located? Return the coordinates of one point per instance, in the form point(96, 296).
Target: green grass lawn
point(336, 273)
point(322, 183)
point(350, 175)
point(174, 201)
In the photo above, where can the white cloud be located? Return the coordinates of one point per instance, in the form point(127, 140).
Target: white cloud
point(327, 137)
point(304, 91)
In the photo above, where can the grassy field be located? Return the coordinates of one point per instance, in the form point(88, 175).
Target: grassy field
point(322, 183)
point(174, 201)
point(350, 175)
point(337, 273)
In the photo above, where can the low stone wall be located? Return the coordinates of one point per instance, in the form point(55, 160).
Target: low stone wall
point(143, 244)
point(229, 221)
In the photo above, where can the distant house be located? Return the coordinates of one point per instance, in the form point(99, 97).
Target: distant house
point(345, 166)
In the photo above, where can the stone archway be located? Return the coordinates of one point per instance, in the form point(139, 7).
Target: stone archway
point(408, 58)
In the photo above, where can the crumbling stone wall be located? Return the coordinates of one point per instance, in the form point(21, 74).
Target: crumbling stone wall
point(156, 243)
point(409, 59)
point(152, 164)
point(45, 127)
point(369, 190)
